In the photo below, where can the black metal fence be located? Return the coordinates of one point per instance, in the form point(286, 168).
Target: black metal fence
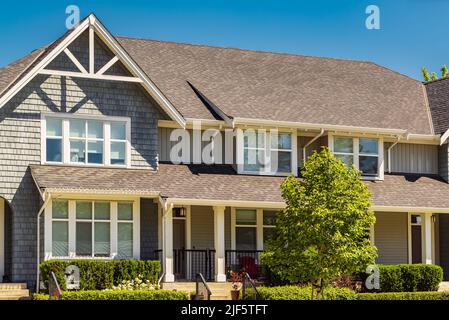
point(244, 261)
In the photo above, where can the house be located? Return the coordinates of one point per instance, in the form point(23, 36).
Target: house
point(121, 148)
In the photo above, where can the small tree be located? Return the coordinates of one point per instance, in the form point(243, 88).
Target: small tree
point(425, 74)
point(322, 232)
point(444, 71)
point(434, 76)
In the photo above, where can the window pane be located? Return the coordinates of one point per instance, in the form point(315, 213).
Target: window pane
point(368, 165)
point(368, 146)
point(77, 151)
point(54, 127)
point(281, 161)
point(125, 211)
point(254, 139)
point(343, 145)
point(95, 129)
point(269, 218)
point(95, 152)
point(84, 210)
point(125, 241)
point(268, 234)
point(77, 128)
point(118, 131)
point(281, 141)
point(83, 239)
point(245, 238)
point(54, 150)
point(346, 159)
point(60, 209)
point(102, 210)
point(118, 152)
point(246, 217)
point(253, 160)
point(60, 239)
point(102, 239)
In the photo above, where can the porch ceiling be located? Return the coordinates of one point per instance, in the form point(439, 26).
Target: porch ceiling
point(221, 183)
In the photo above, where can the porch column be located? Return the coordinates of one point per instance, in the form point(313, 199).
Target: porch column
point(167, 250)
point(219, 242)
point(427, 243)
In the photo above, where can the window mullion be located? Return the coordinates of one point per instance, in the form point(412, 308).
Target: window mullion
point(93, 228)
point(114, 230)
point(65, 141)
point(107, 143)
point(355, 146)
point(72, 228)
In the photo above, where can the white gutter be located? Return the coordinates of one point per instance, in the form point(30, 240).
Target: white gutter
point(444, 137)
point(389, 153)
point(47, 200)
point(309, 143)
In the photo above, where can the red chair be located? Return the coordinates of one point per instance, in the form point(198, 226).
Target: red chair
point(248, 264)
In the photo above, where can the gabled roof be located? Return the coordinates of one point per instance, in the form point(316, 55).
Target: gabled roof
point(438, 95)
point(222, 183)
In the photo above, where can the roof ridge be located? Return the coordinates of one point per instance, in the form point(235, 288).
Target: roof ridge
point(436, 80)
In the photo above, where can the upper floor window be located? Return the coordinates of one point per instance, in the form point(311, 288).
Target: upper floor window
point(86, 141)
point(267, 152)
point(364, 153)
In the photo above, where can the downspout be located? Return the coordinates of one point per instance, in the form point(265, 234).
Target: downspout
point(309, 143)
point(389, 152)
point(46, 201)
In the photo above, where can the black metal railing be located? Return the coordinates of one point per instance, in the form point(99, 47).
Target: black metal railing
point(249, 290)
point(244, 261)
point(203, 291)
point(54, 289)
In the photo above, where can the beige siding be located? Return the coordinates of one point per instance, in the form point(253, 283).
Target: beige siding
point(390, 237)
point(412, 158)
point(202, 226)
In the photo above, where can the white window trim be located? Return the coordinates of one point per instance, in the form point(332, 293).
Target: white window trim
point(355, 154)
point(267, 150)
point(107, 120)
point(48, 220)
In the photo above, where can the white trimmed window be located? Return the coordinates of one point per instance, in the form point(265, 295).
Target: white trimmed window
point(92, 229)
point(86, 141)
point(366, 154)
point(246, 229)
point(266, 152)
point(269, 226)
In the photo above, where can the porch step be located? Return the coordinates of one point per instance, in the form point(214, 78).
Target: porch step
point(14, 291)
point(220, 290)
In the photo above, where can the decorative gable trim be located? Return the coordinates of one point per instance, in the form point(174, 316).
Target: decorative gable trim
point(95, 27)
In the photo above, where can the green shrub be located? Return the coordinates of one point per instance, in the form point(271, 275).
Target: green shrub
point(119, 295)
point(99, 275)
point(410, 277)
point(303, 293)
point(428, 295)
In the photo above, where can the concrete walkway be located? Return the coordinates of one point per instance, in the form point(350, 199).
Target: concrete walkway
point(444, 286)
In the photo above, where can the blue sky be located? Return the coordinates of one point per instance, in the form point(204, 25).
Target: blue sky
point(413, 32)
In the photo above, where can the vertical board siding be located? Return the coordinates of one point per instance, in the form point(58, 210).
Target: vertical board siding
point(412, 158)
point(443, 163)
point(390, 237)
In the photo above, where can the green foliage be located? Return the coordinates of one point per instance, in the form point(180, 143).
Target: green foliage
point(99, 275)
point(425, 74)
point(390, 278)
point(444, 71)
point(322, 233)
point(434, 76)
point(404, 296)
point(304, 293)
point(119, 295)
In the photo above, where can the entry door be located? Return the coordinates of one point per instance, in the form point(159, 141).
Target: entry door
point(416, 237)
point(179, 234)
point(179, 255)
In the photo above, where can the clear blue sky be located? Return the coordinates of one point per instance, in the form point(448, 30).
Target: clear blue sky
point(413, 32)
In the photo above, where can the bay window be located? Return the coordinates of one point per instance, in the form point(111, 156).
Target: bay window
point(90, 141)
point(366, 154)
point(92, 229)
point(266, 152)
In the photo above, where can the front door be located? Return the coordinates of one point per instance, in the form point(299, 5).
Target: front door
point(179, 255)
point(416, 237)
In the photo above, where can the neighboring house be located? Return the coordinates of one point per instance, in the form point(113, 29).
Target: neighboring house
point(86, 172)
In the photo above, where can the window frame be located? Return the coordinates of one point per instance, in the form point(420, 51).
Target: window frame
point(240, 145)
point(356, 155)
point(107, 141)
point(113, 224)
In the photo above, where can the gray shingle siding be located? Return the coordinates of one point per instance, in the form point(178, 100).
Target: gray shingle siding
point(20, 141)
point(148, 229)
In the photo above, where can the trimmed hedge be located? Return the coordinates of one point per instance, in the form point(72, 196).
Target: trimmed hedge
point(119, 295)
point(100, 275)
point(410, 277)
point(428, 295)
point(304, 293)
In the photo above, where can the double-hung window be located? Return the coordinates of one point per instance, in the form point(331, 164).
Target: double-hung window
point(269, 226)
point(95, 141)
point(364, 153)
point(246, 229)
point(266, 152)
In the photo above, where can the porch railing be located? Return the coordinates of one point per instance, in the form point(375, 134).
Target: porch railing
point(244, 261)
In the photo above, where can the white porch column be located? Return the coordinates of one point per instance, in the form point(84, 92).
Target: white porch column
point(427, 243)
point(167, 221)
point(219, 242)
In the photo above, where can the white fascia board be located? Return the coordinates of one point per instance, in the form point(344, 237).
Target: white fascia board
point(134, 68)
point(55, 192)
point(410, 209)
point(50, 56)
